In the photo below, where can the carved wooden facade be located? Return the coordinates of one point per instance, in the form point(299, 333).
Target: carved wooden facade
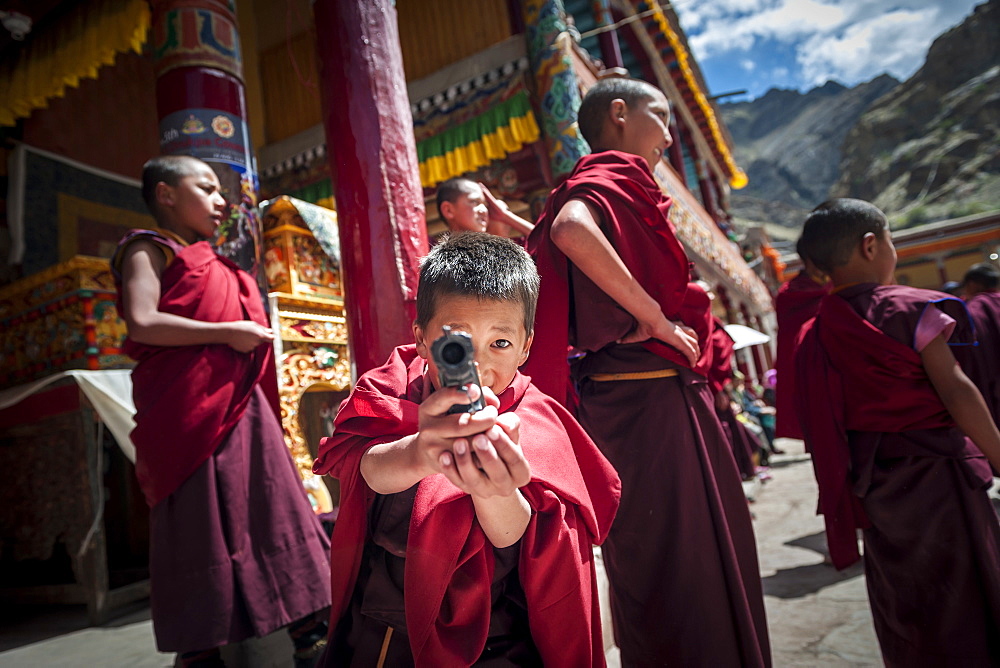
point(314, 371)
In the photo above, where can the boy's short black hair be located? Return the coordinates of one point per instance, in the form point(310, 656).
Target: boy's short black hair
point(169, 169)
point(594, 108)
point(452, 189)
point(834, 228)
point(481, 265)
point(983, 274)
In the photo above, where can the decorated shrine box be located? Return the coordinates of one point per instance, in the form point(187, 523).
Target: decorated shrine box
point(59, 319)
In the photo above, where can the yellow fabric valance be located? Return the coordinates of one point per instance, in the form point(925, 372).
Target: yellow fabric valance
point(74, 48)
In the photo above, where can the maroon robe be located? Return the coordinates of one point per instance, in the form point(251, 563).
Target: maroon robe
point(796, 303)
point(681, 556)
point(449, 561)
point(235, 548)
point(889, 459)
point(981, 362)
point(196, 394)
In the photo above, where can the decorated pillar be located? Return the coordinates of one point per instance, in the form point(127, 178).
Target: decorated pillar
point(374, 168)
point(202, 108)
point(611, 53)
point(548, 48)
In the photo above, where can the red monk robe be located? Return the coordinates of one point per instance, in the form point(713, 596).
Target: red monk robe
point(449, 561)
point(211, 460)
point(889, 459)
point(719, 375)
point(796, 303)
point(681, 556)
point(981, 362)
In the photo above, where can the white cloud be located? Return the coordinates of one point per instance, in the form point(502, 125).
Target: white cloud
point(846, 40)
point(895, 42)
point(748, 65)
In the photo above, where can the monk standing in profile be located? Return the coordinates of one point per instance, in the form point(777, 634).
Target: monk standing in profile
point(235, 548)
point(681, 556)
point(901, 443)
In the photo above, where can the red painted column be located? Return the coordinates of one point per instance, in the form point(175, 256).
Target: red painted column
point(374, 168)
point(201, 104)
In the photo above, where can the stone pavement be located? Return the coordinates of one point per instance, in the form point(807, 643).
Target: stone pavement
point(817, 616)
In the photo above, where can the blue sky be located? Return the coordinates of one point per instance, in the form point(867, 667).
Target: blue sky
point(756, 45)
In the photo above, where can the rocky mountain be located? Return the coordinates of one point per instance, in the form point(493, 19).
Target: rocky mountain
point(930, 149)
point(923, 150)
point(789, 143)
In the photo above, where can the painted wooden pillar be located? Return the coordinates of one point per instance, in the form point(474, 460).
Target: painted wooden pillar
point(201, 103)
point(557, 84)
point(374, 168)
point(611, 53)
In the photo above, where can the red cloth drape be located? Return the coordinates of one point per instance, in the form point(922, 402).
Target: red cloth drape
point(853, 377)
point(188, 398)
point(797, 302)
point(573, 491)
point(634, 217)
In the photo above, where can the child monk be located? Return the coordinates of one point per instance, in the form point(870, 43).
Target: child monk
point(981, 291)
point(681, 556)
point(466, 539)
point(796, 303)
point(467, 206)
point(898, 435)
point(235, 548)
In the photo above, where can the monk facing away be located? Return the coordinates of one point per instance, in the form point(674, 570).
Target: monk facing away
point(901, 442)
point(681, 556)
point(466, 539)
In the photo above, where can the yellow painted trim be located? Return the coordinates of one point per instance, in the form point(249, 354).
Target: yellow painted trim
point(738, 178)
point(74, 48)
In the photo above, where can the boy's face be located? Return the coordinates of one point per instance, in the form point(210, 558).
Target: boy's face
point(646, 128)
point(498, 336)
point(195, 205)
point(468, 213)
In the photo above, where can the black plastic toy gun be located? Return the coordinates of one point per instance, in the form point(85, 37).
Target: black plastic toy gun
point(456, 363)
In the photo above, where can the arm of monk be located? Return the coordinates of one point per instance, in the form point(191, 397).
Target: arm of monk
point(961, 398)
point(576, 231)
point(479, 453)
point(499, 212)
point(142, 266)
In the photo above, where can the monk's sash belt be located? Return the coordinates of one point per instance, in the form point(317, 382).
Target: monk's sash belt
point(634, 375)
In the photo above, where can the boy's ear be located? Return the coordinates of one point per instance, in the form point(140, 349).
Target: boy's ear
point(527, 348)
point(447, 210)
point(869, 246)
point(164, 194)
point(421, 341)
point(618, 110)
